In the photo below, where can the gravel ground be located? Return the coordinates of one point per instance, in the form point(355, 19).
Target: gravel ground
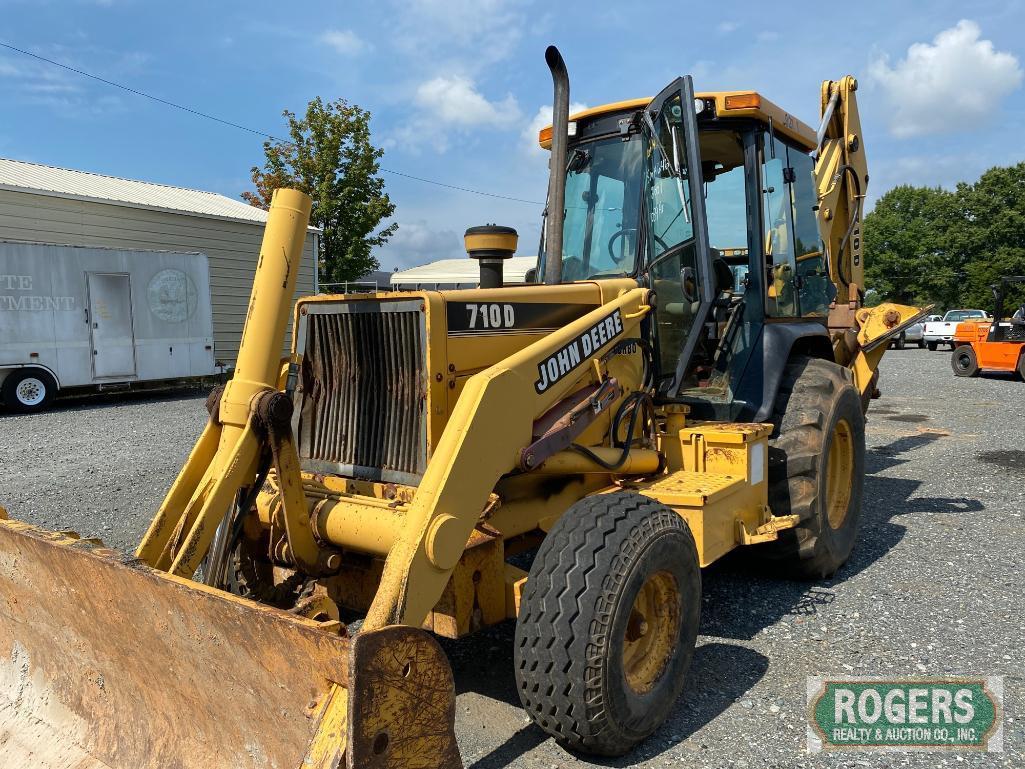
point(934, 586)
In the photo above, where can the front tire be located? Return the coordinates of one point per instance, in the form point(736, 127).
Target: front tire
point(816, 467)
point(608, 622)
point(964, 361)
point(28, 390)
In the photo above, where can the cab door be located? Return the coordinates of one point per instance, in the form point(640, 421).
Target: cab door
point(778, 220)
point(676, 233)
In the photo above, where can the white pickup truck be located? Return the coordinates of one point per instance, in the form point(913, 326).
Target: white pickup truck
point(939, 332)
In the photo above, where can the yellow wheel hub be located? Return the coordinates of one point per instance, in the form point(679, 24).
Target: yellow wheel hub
point(839, 473)
point(651, 631)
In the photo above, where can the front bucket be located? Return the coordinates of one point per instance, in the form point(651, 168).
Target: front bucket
point(108, 664)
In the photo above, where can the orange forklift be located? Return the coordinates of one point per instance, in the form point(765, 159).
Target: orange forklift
point(995, 345)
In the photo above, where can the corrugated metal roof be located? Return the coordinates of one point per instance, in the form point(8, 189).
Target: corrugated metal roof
point(465, 270)
point(64, 182)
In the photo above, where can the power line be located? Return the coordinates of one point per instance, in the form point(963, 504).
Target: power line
point(157, 99)
point(462, 189)
point(241, 127)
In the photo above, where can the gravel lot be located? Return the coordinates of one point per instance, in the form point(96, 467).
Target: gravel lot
point(934, 587)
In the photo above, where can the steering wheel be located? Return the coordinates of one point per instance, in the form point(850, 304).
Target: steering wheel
point(572, 268)
point(615, 237)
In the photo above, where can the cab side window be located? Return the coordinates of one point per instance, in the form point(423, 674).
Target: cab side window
point(778, 222)
point(814, 288)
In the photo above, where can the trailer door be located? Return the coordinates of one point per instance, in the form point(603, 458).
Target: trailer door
point(110, 321)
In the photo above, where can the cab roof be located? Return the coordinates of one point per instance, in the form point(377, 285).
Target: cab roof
point(728, 104)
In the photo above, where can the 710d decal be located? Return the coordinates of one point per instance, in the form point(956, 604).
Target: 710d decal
point(489, 318)
point(556, 366)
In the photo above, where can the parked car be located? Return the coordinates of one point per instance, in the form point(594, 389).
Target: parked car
point(914, 334)
point(942, 331)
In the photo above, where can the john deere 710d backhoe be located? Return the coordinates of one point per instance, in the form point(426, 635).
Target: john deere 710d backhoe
point(686, 374)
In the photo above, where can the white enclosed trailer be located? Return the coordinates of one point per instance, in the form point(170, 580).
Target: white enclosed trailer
point(74, 316)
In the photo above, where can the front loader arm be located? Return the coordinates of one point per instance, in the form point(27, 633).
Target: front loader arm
point(249, 424)
point(489, 426)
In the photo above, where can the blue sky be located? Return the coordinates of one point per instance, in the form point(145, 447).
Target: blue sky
point(458, 88)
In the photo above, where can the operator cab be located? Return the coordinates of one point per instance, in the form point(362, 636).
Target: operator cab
point(727, 249)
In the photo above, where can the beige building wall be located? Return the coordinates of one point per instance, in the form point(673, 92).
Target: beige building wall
point(232, 247)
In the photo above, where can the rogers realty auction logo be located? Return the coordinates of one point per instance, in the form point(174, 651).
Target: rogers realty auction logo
point(908, 714)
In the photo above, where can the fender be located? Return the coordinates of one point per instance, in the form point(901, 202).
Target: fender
point(775, 345)
point(9, 368)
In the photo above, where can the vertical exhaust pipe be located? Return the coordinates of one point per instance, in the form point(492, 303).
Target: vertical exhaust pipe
point(557, 166)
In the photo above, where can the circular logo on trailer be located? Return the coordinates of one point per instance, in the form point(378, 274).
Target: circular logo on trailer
point(172, 296)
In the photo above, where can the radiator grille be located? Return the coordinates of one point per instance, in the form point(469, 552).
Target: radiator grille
point(361, 400)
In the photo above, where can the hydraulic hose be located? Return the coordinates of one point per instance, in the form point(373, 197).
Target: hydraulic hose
point(635, 402)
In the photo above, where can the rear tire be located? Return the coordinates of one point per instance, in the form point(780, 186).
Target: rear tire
point(900, 343)
point(816, 467)
point(931, 346)
point(963, 361)
point(921, 344)
point(1021, 364)
point(608, 622)
point(28, 390)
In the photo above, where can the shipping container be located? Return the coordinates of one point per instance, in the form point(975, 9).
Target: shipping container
point(73, 317)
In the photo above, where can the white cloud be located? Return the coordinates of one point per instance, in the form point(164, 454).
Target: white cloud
point(37, 84)
point(726, 27)
point(454, 100)
point(542, 118)
point(472, 33)
point(346, 42)
point(953, 83)
point(415, 243)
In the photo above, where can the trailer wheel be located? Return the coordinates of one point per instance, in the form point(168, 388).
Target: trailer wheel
point(608, 622)
point(816, 467)
point(963, 361)
point(1021, 363)
point(931, 346)
point(28, 390)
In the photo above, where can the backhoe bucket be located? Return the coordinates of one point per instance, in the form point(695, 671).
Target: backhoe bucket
point(106, 663)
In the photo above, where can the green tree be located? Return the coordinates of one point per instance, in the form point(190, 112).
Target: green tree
point(330, 157)
point(907, 254)
point(989, 240)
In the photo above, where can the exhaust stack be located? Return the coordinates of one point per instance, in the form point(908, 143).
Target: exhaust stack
point(557, 167)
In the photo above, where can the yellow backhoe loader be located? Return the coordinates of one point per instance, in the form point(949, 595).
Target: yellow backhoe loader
point(686, 373)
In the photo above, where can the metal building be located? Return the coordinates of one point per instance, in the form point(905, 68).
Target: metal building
point(457, 273)
point(44, 204)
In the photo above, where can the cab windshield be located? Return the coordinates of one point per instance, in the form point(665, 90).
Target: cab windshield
point(602, 197)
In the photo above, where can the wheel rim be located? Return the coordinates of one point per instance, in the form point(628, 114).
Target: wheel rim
point(30, 391)
point(964, 362)
point(839, 473)
point(651, 632)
